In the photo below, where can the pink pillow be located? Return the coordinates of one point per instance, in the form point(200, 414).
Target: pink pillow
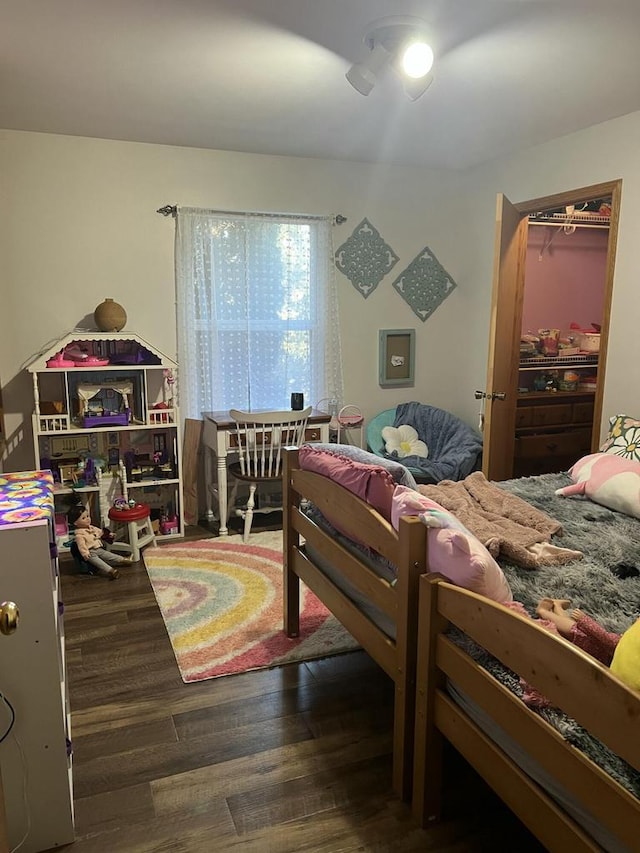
point(607, 479)
point(373, 483)
point(453, 551)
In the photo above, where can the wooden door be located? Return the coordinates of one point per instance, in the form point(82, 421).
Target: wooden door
point(504, 340)
point(506, 318)
point(4, 838)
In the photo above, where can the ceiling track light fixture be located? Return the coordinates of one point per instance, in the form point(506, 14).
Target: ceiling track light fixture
point(398, 42)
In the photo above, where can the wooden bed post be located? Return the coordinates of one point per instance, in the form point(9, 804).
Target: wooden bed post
point(427, 783)
point(413, 555)
point(291, 541)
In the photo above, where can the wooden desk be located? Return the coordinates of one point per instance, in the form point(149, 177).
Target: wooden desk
point(218, 436)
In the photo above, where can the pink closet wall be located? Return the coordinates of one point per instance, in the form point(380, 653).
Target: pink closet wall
point(564, 279)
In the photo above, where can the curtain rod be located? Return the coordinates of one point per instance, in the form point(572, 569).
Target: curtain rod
point(172, 210)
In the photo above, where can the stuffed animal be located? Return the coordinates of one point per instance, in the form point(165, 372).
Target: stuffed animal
point(403, 441)
point(607, 479)
point(626, 658)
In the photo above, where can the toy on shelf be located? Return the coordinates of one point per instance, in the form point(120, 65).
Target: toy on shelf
point(58, 360)
point(122, 504)
point(168, 522)
point(93, 361)
point(105, 404)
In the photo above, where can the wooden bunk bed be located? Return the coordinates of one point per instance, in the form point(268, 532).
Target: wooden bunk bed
point(406, 549)
point(427, 644)
point(573, 681)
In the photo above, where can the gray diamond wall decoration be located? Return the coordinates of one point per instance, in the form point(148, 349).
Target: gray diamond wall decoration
point(365, 258)
point(424, 284)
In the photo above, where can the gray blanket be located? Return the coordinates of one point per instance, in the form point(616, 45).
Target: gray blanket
point(454, 447)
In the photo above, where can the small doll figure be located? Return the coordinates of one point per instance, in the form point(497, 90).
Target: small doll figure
point(620, 652)
point(91, 540)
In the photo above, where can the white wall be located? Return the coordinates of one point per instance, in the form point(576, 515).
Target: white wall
point(78, 223)
point(604, 152)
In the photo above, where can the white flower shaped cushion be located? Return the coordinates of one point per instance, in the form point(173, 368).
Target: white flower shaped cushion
point(403, 441)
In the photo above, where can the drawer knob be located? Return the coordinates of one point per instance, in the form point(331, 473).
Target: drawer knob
point(9, 617)
point(552, 447)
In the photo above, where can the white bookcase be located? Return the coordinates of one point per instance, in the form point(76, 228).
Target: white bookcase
point(36, 754)
point(106, 422)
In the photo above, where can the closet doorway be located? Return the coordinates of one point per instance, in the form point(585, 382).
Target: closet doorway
point(538, 430)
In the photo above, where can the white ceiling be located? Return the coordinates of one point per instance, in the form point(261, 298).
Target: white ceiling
point(267, 76)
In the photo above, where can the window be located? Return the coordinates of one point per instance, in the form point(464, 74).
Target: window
point(257, 310)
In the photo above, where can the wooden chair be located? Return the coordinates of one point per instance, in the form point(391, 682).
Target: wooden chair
point(259, 439)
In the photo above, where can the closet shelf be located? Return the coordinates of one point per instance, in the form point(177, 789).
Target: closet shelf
point(580, 220)
point(553, 362)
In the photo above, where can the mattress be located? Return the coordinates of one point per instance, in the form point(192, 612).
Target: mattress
point(529, 765)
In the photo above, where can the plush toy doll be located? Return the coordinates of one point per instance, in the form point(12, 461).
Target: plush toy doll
point(607, 479)
point(626, 658)
point(90, 541)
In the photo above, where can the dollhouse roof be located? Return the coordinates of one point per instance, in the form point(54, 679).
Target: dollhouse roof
point(78, 336)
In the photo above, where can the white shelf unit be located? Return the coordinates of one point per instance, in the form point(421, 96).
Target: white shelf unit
point(117, 408)
point(35, 757)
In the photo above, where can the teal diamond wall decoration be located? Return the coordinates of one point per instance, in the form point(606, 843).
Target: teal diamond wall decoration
point(424, 284)
point(365, 258)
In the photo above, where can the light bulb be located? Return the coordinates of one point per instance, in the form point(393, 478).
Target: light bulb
point(417, 59)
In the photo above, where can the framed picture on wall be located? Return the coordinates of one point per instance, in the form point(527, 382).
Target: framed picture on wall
point(396, 357)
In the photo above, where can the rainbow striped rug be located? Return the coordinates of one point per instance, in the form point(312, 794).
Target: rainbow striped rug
point(222, 604)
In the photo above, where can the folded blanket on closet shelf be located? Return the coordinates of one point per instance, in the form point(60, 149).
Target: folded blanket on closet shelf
point(507, 526)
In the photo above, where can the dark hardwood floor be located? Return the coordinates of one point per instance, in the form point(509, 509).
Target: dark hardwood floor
point(290, 759)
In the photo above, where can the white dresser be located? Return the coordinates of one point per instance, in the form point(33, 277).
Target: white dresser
point(35, 755)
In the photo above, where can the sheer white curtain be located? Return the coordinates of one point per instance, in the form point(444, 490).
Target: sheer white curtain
point(257, 310)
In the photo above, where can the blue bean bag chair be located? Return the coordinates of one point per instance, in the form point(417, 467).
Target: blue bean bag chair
point(455, 449)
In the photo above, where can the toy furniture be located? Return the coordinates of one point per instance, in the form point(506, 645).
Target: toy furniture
point(137, 523)
point(116, 397)
point(88, 394)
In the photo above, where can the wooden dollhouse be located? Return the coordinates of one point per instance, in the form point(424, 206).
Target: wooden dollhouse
point(106, 423)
